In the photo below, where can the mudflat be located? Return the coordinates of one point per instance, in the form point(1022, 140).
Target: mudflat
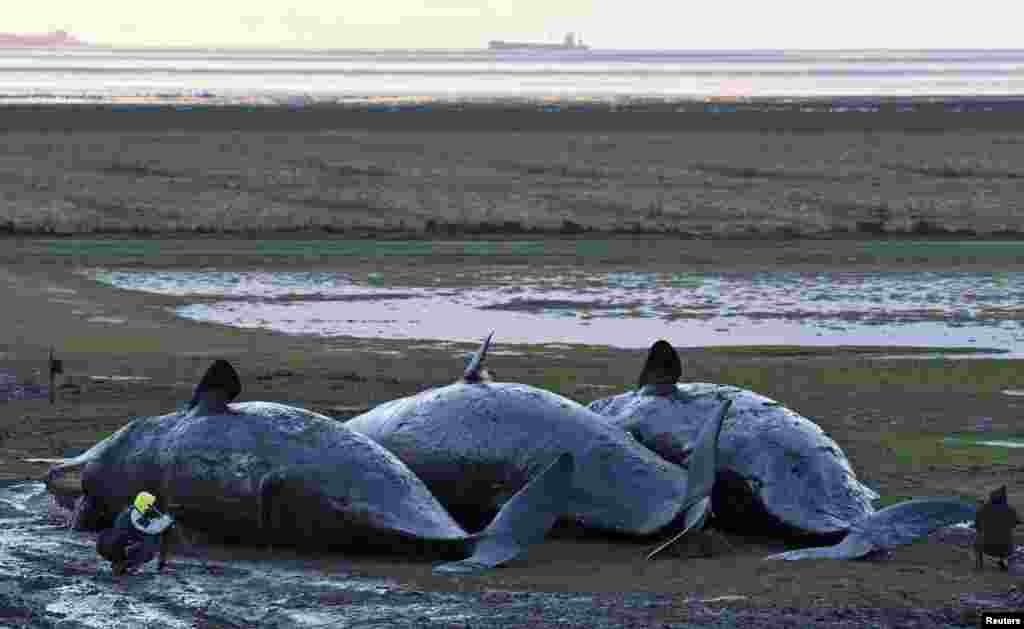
point(692, 173)
point(889, 415)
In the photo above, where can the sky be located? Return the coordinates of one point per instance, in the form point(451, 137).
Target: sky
point(658, 24)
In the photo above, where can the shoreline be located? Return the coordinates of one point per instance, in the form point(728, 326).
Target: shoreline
point(878, 411)
point(484, 231)
point(288, 251)
point(799, 115)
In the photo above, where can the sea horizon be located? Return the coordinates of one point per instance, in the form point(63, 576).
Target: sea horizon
point(271, 75)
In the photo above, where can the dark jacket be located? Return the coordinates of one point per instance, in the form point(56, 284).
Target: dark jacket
point(114, 543)
point(994, 523)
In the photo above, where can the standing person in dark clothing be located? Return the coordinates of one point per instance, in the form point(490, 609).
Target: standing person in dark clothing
point(137, 536)
point(995, 523)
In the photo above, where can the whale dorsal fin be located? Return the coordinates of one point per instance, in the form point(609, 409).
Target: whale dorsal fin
point(219, 386)
point(662, 367)
point(475, 371)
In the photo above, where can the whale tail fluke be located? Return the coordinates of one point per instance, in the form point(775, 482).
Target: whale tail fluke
point(895, 525)
point(524, 520)
point(852, 547)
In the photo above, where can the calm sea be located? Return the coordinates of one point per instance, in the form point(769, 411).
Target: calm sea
point(275, 76)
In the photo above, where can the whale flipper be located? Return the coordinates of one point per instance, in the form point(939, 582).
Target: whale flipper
point(524, 520)
point(896, 525)
point(695, 519)
point(701, 465)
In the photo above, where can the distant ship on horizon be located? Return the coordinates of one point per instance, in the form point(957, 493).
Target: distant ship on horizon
point(569, 43)
point(56, 38)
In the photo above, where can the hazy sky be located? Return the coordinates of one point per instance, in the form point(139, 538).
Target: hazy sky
point(470, 23)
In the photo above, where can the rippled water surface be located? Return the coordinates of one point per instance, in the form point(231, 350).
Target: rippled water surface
point(105, 74)
point(52, 577)
point(621, 309)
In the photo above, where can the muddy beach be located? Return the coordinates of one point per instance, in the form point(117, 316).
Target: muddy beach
point(685, 170)
point(126, 354)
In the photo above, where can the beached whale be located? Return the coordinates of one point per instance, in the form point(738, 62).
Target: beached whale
point(476, 442)
point(269, 473)
point(775, 470)
point(772, 462)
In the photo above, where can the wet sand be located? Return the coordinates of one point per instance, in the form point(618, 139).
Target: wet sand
point(694, 173)
point(874, 410)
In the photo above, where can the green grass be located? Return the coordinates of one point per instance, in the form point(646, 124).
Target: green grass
point(560, 380)
point(748, 377)
point(943, 248)
point(974, 375)
point(121, 343)
point(124, 250)
point(133, 248)
point(806, 350)
point(980, 376)
point(294, 359)
point(920, 451)
point(98, 247)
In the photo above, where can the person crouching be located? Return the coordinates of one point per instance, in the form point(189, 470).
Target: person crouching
point(136, 537)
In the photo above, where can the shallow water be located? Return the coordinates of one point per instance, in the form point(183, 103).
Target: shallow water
point(295, 76)
point(52, 577)
point(620, 309)
point(12, 389)
point(997, 443)
point(43, 561)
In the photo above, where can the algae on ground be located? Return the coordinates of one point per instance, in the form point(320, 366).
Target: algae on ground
point(924, 451)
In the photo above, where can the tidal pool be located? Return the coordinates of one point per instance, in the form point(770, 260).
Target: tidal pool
point(620, 309)
point(986, 441)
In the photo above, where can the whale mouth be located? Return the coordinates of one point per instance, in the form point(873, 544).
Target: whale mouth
point(64, 482)
point(739, 509)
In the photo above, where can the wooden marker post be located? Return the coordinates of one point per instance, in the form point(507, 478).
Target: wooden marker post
point(56, 367)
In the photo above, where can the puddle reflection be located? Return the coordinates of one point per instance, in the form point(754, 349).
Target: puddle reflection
point(621, 309)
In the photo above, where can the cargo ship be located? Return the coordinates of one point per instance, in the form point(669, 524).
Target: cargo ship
point(569, 43)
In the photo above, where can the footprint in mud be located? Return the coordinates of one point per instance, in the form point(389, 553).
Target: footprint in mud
point(52, 577)
point(37, 583)
point(227, 571)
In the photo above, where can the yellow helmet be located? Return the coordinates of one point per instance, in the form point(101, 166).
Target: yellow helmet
point(144, 501)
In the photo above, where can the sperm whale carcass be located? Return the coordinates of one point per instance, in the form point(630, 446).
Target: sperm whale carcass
point(269, 473)
point(775, 468)
point(475, 442)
